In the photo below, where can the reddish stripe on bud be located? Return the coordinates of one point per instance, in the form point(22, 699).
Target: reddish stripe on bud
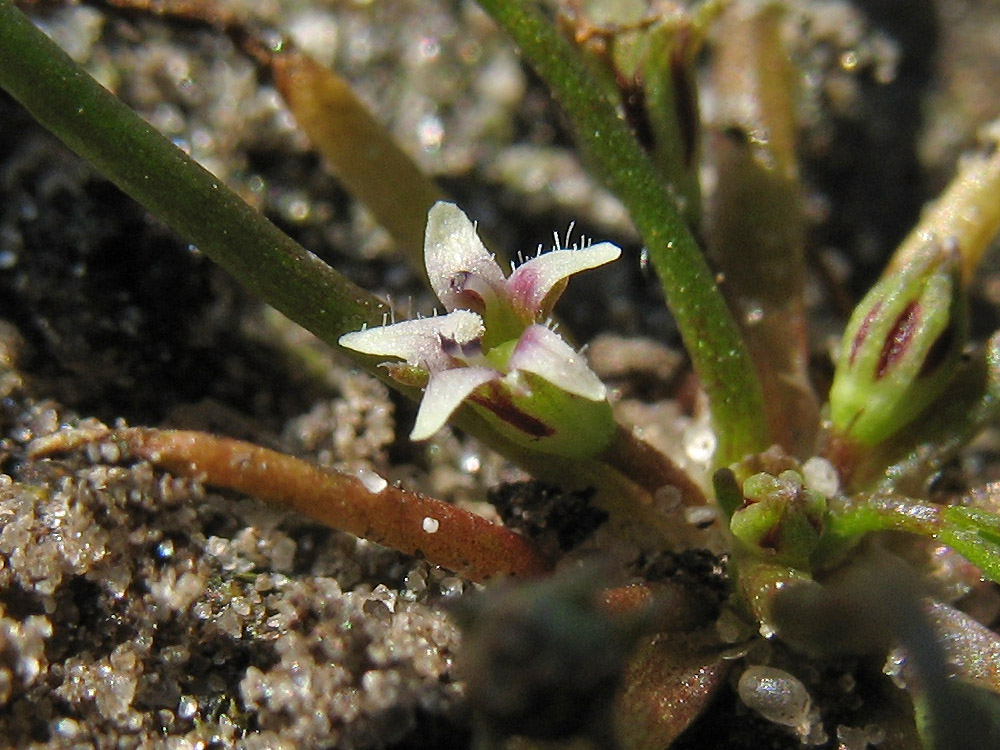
point(863, 331)
point(899, 338)
point(500, 403)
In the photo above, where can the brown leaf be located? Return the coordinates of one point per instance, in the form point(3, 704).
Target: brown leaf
point(669, 681)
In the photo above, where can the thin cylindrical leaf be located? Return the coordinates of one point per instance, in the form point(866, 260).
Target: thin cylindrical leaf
point(147, 166)
point(966, 217)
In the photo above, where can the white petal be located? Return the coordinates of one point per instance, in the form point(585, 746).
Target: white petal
point(445, 391)
point(543, 352)
point(532, 281)
point(417, 341)
point(455, 258)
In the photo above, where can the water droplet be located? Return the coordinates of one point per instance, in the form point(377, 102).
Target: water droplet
point(372, 481)
point(820, 475)
point(430, 132)
point(430, 48)
point(849, 60)
point(775, 694)
point(699, 442)
point(753, 312)
point(471, 463)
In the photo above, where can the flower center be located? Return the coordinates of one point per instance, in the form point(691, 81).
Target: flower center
point(474, 292)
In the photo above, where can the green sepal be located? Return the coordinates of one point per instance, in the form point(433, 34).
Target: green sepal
point(545, 418)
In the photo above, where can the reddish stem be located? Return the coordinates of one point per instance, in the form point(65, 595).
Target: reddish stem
point(647, 467)
point(406, 521)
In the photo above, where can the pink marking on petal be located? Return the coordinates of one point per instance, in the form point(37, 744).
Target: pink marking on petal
point(530, 288)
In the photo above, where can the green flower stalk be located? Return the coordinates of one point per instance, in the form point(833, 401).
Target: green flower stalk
point(492, 348)
point(901, 348)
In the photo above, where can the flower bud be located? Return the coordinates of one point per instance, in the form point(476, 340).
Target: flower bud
point(900, 349)
point(780, 519)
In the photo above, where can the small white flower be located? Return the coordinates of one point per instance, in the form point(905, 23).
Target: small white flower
point(465, 276)
point(490, 348)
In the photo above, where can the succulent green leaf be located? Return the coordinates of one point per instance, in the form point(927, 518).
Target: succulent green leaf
point(972, 532)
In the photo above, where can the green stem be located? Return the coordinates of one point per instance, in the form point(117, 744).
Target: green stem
point(971, 532)
point(146, 166)
point(712, 338)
